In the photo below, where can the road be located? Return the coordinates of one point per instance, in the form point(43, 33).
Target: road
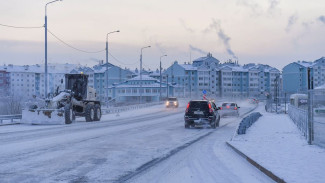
point(133, 146)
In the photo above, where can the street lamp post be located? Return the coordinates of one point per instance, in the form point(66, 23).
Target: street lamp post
point(106, 72)
point(167, 87)
point(45, 26)
point(141, 72)
point(160, 77)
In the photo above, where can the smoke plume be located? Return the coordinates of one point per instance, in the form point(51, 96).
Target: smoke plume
point(197, 50)
point(215, 26)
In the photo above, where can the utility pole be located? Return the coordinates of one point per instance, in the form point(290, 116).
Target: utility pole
point(167, 87)
point(141, 72)
point(160, 77)
point(45, 26)
point(106, 72)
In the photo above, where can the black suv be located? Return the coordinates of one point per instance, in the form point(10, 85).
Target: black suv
point(200, 112)
point(171, 102)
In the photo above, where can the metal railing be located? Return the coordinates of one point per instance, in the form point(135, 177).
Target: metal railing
point(9, 117)
point(112, 110)
point(300, 118)
point(317, 116)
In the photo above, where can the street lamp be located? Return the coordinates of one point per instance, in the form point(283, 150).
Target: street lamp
point(45, 26)
point(106, 74)
point(160, 77)
point(141, 72)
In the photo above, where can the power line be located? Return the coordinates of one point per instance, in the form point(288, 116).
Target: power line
point(121, 61)
point(21, 27)
point(73, 46)
point(65, 43)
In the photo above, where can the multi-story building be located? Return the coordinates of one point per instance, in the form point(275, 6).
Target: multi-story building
point(221, 80)
point(319, 72)
point(184, 76)
point(297, 77)
point(147, 88)
point(97, 77)
point(28, 80)
point(4, 83)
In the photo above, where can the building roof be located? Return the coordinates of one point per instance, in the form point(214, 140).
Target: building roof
point(208, 58)
point(305, 63)
point(188, 67)
point(52, 68)
point(144, 78)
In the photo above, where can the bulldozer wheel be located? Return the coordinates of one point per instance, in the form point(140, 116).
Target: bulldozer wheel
point(89, 113)
point(98, 113)
point(68, 114)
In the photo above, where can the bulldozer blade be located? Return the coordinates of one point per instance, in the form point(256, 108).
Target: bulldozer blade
point(43, 116)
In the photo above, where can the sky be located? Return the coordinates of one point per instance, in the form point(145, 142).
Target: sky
point(273, 32)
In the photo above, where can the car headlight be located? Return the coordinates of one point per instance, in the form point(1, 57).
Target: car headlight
point(175, 103)
point(167, 103)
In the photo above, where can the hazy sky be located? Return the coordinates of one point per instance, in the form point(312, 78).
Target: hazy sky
point(274, 32)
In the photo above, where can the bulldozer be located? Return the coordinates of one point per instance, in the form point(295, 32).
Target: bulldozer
point(76, 99)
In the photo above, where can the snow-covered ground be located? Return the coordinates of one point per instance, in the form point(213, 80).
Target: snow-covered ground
point(275, 143)
point(107, 151)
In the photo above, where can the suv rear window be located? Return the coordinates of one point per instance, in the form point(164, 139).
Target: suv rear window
point(199, 105)
point(225, 104)
point(228, 104)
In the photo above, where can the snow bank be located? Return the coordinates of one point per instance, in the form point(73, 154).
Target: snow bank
point(38, 117)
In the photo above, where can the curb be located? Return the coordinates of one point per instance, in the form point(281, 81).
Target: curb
point(7, 124)
point(258, 166)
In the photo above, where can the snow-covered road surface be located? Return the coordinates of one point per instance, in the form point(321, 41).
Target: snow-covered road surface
point(210, 161)
point(103, 151)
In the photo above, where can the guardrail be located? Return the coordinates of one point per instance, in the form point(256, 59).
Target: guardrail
point(112, 110)
point(9, 117)
point(247, 122)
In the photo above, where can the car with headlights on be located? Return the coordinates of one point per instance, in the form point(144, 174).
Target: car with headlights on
point(171, 102)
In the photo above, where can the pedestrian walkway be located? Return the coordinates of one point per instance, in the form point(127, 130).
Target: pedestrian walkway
point(275, 143)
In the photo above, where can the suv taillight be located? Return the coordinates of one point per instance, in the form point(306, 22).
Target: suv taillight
point(210, 109)
point(188, 106)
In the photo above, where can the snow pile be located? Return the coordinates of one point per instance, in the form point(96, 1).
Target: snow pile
point(38, 117)
point(275, 143)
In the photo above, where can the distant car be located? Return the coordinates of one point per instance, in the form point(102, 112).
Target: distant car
point(229, 109)
point(171, 102)
point(253, 101)
point(201, 112)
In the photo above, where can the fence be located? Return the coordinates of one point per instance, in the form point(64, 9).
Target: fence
point(317, 116)
point(300, 118)
point(278, 105)
point(311, 121)
point(111, 110)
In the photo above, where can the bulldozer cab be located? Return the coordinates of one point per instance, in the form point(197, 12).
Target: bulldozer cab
point(77, 83)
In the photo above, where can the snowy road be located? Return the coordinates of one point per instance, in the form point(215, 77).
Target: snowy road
point(115, 148)
point(209, 160)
